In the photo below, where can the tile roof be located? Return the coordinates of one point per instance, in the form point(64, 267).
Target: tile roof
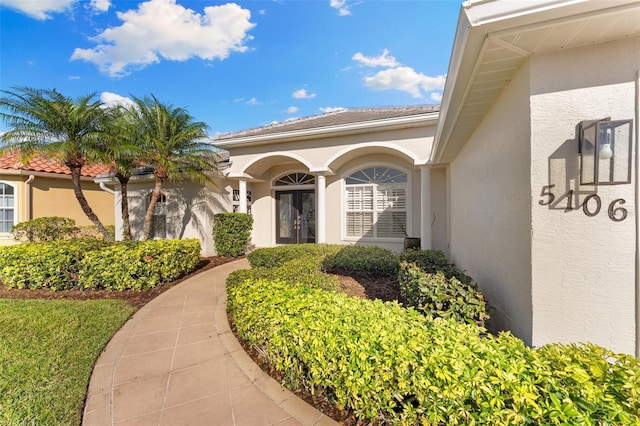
point(341, 117)
point(47, 165)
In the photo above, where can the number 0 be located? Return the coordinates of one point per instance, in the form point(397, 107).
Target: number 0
point(585, 205)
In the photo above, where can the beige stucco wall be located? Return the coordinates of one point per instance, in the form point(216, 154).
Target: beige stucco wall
point(490, 206)
point(190, 209)
point(583, 268)
point(53, 196)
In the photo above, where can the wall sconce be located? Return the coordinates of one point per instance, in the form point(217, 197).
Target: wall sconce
point(605, 152)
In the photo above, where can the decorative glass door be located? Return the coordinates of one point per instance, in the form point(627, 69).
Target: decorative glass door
point(295, 217)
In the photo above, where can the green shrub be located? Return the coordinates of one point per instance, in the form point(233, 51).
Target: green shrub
point(273, 257)
point(439, 296)
point(433, 261)
point(52, 265)
point(44, 229)
point(296, 271)
point(91, 231)
point(231, 233)
point(93, 263)
point(138, 265)
point(392, 365)
point(363, 261)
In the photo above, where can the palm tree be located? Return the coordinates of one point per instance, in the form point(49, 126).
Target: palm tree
point(174, 147)
point(46, 122)
point(123, 153)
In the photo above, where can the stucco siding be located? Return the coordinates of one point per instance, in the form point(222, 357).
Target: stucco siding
point(583, 268)
point(490, 208)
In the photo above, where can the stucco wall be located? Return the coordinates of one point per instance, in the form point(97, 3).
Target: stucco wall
point(190, 209)
point(582, 267)
point(55, 197)
point(490, 208)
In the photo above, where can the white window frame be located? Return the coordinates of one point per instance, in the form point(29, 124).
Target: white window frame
point(343, 201)
point(8, 235)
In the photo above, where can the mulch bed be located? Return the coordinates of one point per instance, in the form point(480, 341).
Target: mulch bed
point(363, 287)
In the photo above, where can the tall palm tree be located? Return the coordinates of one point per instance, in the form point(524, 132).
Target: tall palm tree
point(124, 153)
point(47, 122)
point(174, 147)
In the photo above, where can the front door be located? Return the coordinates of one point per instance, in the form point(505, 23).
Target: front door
point(295, 216)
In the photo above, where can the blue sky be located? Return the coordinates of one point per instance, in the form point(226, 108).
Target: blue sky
point(233, 65)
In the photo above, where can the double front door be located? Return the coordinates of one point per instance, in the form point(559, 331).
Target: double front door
point(295, 216)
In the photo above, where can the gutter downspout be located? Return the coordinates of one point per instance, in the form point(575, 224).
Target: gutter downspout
point(27, 198)
point(637, 211)
point(106, 189)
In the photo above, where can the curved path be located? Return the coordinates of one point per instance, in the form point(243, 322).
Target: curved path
point(176, 362)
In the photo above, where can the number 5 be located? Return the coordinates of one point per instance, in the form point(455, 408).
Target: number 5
point(546, 192)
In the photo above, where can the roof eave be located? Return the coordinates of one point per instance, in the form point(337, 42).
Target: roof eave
point(332, 131)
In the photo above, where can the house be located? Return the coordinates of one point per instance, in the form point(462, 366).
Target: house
point(526, 175)
point(42, 188)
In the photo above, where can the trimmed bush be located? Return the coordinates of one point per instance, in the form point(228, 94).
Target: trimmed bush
point(139, 265)
point(91, 263)
point(231, 233)
point(392, 365)
point(304, 271)
point(434, 261)
point(439, 296)
point(44, 229)
point(274, 257)
point(52, 265)
point(362, 261)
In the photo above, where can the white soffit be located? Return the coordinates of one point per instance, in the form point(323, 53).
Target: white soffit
point(500, 52)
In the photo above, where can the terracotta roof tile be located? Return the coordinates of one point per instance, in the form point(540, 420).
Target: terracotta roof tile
point(47, 165)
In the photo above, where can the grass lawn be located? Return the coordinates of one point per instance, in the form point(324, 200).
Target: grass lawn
point(47, 351)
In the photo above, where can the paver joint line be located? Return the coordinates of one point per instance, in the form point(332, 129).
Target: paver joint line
point(199, 302)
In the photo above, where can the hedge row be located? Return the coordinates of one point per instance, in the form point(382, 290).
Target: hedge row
point(95, 264)
point(390, 364)
point(274, 257)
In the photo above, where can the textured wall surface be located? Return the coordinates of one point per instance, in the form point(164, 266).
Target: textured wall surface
point(583, 268)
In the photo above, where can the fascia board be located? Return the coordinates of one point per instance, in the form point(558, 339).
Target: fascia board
point(42, 174)
point(332, 131)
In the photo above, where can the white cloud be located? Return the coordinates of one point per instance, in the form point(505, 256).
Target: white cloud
point(74, 77)
point(332, 109)
point(253, 101)
point(38, 9)
point(405, 79)
point(292, 110)
point(341, 5)
point(302, 94)
point(162, 29)
point(113, 99)
point(384, 60)
point(100, 5)
point(436, 96)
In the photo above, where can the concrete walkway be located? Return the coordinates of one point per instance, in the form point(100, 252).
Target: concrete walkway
point(176, 362)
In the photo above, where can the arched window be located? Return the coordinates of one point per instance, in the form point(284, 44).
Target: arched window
point(376, 203)
point(295, 179)
point(7, 207)
point(159, 221)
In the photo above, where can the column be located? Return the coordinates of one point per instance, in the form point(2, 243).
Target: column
point(425, 207)
point(321, 210)
point(242, 189)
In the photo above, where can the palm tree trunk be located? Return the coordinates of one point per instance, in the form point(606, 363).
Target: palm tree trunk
point(84, 204)
point(124, 209)
point(148, 217)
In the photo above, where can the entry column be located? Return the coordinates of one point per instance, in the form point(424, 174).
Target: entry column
point(321, 209)
point(242, 190)
point(425, 207)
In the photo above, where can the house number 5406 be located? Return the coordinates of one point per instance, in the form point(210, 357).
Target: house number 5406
point(590, 206)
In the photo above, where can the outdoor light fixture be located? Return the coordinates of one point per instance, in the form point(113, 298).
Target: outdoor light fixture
point(605, 152)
